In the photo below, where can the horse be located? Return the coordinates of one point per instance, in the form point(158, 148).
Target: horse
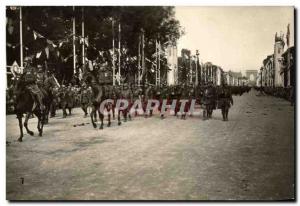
point(26, 104)
point(67, 101)
point(97, 97)
point(125, 94)
point(47, 89)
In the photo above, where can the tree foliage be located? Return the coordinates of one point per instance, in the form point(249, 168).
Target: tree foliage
point(55, 24)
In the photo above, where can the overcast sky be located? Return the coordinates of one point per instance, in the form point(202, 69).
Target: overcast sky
point(235, 38)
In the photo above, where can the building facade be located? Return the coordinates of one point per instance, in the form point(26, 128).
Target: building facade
point(278, 51)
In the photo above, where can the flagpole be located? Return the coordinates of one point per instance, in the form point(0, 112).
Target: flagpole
point(158, 62)
point(83, 39)
point(21, 38)
point(156, 69)
point(139, 61)
point(119, 54)
point(143, 54)
point(113, 60)
point(74, 46)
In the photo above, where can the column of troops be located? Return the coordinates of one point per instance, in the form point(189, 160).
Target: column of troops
point(85, 94)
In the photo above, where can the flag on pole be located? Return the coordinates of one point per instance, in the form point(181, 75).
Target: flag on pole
point(288, 36)
point(38, 54)
point(47, 52)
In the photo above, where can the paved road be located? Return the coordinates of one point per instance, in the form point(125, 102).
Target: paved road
point(250, 157)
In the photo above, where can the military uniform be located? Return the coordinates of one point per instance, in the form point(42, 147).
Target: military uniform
point(224, 101)
point(55, 102)
point(85, 98)
point(30, 78)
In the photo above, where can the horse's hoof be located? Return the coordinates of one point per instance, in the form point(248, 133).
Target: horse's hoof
point(30, 133)
point(40, 134)
point(20, 139)
point(108, 125)
point(119, 123)
point(95, 126)
point(101, 127)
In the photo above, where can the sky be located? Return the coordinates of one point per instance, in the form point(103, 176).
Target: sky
point(235, 38)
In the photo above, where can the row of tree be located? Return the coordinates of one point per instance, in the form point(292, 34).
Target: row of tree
point(48, 36)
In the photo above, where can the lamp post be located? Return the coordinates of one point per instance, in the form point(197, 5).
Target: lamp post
point(197, 57)
point(261, 70)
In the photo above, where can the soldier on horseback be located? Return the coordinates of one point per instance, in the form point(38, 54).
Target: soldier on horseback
point(30, 80)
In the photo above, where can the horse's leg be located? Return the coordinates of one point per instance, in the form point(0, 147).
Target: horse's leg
point(19, 116)
point(83, 107)
point(95, 116)
point(92, 116)
point(113, 110)
point(125, 115)
point(64, 111)
point(40, 125)
point(108, 115)
point(119, 118)
point(226, 112)
point(26, 123)
point(101, 117)
point(223, 113)
point(129, 115)
point(99, 114)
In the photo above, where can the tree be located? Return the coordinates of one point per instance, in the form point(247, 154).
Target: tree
point(55, 24)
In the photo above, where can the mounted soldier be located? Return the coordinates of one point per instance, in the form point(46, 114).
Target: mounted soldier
point(30, 80)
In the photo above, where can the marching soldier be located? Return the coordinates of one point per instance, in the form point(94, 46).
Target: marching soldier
point(55, 102)
point(225, 100)
point(85, 99)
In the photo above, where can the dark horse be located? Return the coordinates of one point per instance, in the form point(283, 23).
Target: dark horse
point(47, 88)
point(25, 104)
point(98, 96)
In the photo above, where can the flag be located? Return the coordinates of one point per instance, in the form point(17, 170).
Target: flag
point(288, 36)
point(38, 54)
point(51, 43)
point(90, 65)
point(47, 52)
point(86, 41)
point(34, 35)
point(37, 35)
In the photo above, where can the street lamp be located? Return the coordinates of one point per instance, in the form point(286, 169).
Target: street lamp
point(197, 56)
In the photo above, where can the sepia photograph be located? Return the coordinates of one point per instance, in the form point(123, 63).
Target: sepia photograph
point(150, 103)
